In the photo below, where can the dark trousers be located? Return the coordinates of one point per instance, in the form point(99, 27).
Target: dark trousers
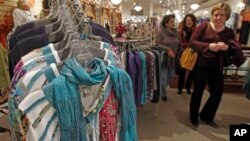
point(214, 78)
point(181, 79)
point(190, 79)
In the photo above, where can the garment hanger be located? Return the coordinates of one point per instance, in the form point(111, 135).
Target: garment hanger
point(82, 52)
point(65, 41)
point(53, 26)
point(57, 35)
point(46, 21)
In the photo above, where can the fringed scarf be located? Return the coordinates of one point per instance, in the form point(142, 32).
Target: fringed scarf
point(67, 97)
point(124, 92)
point(68, 101)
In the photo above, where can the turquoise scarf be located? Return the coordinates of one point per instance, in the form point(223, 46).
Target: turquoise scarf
point(67, 97)
point(122, 84)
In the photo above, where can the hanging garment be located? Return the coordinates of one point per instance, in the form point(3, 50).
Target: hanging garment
point(126, 102)
point(99, 30)
point(108, 118)
point(150, 76)
point(25, 46)
point(144, 77)
point(132, 71)
point(31, 82)
point(35, 64)
point(158, 91)
point(3, 39)
point(138, 78)
point(4, 78)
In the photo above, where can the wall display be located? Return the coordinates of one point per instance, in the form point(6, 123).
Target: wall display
point(145, 30)
point(103, 12)
point(90, 11)
point(117, 18)
point(105, 18)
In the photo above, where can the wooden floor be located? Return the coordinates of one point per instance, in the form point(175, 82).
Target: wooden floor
point(168, 121)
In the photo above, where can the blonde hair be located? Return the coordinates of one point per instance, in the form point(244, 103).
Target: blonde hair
point(21, 3)
point(223, 6)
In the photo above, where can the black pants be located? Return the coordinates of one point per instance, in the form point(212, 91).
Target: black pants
point(214, 78)
point(181, 79)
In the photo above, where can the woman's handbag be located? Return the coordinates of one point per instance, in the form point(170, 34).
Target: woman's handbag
point(189, 57)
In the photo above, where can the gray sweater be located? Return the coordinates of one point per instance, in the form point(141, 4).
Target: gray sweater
point(169, 39)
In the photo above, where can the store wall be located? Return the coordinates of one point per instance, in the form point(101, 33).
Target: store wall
point(232, 3)
point(128, 6)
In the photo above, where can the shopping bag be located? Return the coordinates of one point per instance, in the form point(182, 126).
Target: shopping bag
point(188, 58)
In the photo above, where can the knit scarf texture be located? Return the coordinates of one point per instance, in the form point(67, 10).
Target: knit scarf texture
point(67, 97)
point(122, 84)
point(68, 101)
point(171, 33)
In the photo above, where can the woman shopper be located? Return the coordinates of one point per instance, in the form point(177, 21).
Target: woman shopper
point(168, 40)
point(211, 41)
point(22, 14)
point(186, 30)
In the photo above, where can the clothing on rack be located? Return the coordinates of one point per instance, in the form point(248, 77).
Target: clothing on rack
point(4, 77)
point(4, 80)
point(143, 65)
point(68, 91)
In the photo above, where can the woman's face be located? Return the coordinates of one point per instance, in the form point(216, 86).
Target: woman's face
point(24, 4)
point(219, 17)
point(189, 22)
point(170, 23)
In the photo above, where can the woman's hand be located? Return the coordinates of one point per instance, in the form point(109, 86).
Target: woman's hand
point(214, 47)
point(222, 46)
point(171, 53)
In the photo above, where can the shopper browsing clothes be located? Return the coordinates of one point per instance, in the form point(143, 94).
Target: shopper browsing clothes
point(22, 13)
point(213, 42)
point(186, 29)
point(168, 40)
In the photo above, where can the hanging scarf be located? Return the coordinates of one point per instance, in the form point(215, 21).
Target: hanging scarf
point(122, 84)
point(67, 97)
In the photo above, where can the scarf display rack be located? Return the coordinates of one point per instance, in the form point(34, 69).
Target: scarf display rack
point(65, 87)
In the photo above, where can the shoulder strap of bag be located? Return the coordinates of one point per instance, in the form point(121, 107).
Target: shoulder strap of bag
point(208, 25)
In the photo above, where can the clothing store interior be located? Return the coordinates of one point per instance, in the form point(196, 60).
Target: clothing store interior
point(137, 70)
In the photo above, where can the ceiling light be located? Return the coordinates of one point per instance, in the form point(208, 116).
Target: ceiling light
point(205, 12)
point(138, 8)
point(160, 1)
point(176, 11)
point(194, 6)
point(116, 2)
point(168, 12)
point(240, 4)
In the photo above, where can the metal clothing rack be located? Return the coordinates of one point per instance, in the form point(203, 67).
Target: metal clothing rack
point(136, 43)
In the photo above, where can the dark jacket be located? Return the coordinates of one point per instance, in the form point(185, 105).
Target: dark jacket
point(200, 41)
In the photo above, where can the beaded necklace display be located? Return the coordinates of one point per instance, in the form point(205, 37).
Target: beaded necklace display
point(100, 102)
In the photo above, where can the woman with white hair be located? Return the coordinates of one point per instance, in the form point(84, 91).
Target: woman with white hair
point(22, 13)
